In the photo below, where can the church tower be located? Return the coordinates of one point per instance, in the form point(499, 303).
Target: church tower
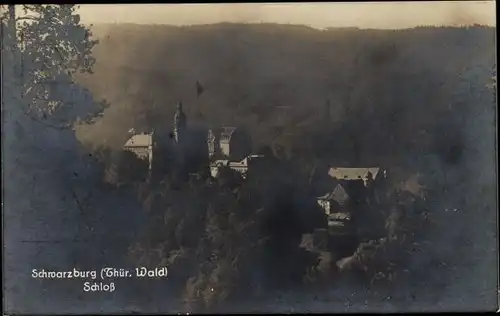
point(180, 123)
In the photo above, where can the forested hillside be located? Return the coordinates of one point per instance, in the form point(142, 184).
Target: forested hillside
point(419, 102)
point(389, 91)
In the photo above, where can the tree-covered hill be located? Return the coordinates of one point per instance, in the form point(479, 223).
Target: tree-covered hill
point(389, 91)
point(417, 101)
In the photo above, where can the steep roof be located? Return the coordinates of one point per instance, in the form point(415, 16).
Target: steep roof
point(140, 140)
point(353, 173)
point(338, 194)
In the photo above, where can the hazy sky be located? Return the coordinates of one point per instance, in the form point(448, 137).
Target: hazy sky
point(319, 15)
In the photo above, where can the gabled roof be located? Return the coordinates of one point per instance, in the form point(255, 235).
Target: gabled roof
point(353, 173)
point(140, 140)
point(338, 195)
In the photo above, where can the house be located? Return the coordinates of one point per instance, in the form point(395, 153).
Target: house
point(341, 204)
point(374, 179)
point(356, 199)
point(333, 200)
point(142, 146)
point(228, 143)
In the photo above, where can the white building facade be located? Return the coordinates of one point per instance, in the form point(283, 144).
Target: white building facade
point(142, 146)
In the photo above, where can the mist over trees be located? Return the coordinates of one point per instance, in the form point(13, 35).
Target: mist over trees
point(415, 101)
point(276, 81)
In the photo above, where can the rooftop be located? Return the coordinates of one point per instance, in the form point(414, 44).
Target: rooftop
point(353, 173)
point(140, 140)
point(338, 194)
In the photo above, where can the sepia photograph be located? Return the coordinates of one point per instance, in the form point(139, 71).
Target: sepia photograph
point(330, 157)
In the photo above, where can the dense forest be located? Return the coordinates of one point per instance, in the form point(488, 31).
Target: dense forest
point(419, 102)
point(416, 101)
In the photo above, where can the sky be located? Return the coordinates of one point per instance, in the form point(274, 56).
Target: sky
point(379, 15)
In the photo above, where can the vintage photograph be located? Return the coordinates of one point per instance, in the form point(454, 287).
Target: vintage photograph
point(249, 158)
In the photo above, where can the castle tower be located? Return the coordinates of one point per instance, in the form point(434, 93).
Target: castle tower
point(180, 123)
point(213, 143)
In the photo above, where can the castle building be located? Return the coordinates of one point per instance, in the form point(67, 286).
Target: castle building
point(228, 143)
point(230, 147)
point(241, 167)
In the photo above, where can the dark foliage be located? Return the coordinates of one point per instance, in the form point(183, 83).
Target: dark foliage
point(415, 101)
